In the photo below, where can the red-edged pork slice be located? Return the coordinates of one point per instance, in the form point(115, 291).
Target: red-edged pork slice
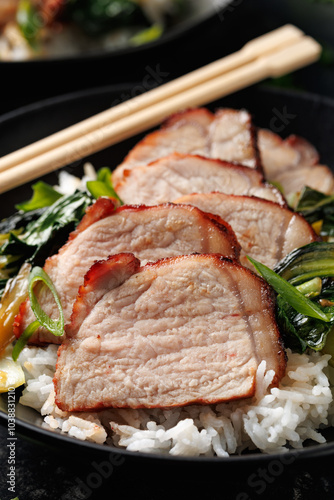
point(227, 134)
point(318, 177)
point(183, 330)
point(293, 163)
point(176, 175)
point(265, 230)
point(278, 154)
point(151, 233)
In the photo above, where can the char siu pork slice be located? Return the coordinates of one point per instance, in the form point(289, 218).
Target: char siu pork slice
point(183, 330)
point(265, 230)
point(176, 175)
point(227, 134)
point(151, 233)
point(318, 177)
point(293, 163)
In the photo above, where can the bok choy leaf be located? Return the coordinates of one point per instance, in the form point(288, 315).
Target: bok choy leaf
point(291, 294)
point(316, 206)
point(42, 235)
point(102, 186)
point(304, 285)
point(43, 196)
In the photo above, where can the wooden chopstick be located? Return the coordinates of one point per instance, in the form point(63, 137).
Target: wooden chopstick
point(271, 55)
point(253, 49)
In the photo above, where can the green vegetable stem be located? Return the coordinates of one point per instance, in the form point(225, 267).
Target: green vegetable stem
point(304, 285)
point(56, 327)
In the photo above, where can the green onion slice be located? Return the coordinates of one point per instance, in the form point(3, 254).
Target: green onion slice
point(56, 327)
point(21, 342)
point(290, 294)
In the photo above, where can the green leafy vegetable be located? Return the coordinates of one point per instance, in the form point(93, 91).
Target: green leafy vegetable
point(56, 327)
point(300, 331)
point(291, 294)
point(29, 21)
point(304, 283)
point(18, 221)
point(43, 196)
point(311, 288)
point(22, 341)
point(307, 262)
point(62, 215)
point(14, 224)
point(102, 186)
point(148, 35)
point(44, 235)
point(96, 17)
point(316, 206)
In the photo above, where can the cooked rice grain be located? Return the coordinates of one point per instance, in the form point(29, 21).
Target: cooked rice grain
point(274, 420)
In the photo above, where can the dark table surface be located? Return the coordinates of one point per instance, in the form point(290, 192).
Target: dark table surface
point(43, 472)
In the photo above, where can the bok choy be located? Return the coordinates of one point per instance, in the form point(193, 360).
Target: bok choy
point(304, 286)
point(34, 235)
point(317, 207)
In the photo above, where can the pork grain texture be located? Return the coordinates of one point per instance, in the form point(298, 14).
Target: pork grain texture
point(230, 135)
point(227, 134)
point(266, 231)
point(293, 163)
point(151, 233)
point(183, 330)
point(176, 175)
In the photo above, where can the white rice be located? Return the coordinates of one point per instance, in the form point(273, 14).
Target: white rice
point(274, 420)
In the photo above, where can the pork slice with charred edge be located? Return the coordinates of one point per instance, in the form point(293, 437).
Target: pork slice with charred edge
point(266, 231)
point(293, 163)
point(183, 330)
point(151, 233)
point(226, 134)
point(176, 175)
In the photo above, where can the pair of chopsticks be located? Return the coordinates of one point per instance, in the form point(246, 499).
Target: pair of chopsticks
point(272, 55)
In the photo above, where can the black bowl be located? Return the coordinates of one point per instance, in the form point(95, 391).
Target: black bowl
point(197, 13)
point(208, 33)
point(284, 112)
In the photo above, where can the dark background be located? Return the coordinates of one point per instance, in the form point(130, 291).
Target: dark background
point(224, 33)
point(43, 472)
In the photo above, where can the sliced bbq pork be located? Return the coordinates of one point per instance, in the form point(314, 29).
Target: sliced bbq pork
point(293, 163)
point(151, 233)
point(318, 177)
point(265, 230)
point(227, 134)
point(176, 175)
point(188, 329)
point(230, 135)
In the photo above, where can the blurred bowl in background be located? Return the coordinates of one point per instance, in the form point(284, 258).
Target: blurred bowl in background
point(208, 33)
point(91, 28)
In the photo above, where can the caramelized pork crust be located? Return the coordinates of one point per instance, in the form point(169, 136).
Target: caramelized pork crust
point(151, 233)
point(230, 135)
point(265, 230)
point(177, 175)
point(182, 330)
point(227, 134)
point(293, 163)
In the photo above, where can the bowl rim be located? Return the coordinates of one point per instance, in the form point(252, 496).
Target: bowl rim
point(27, 429)
point(185, 26)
